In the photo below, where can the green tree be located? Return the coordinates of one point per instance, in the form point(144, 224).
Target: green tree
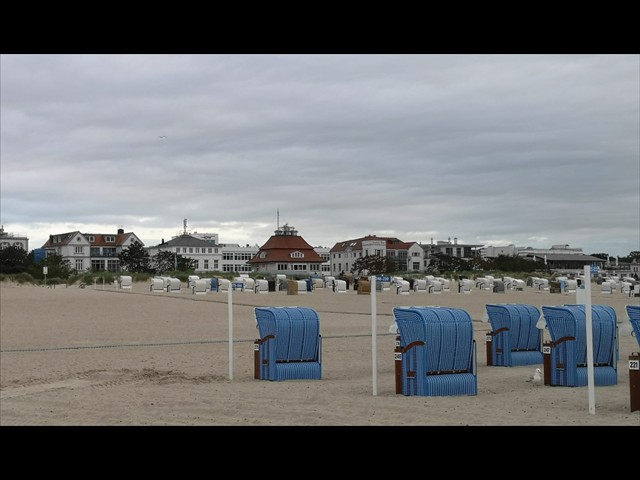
point(166, 261)
point(511, 263)
point(135, 259)
point(371, 265)
point(14, 259)
point(57, 267)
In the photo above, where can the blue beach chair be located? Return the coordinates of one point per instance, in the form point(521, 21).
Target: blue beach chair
point(567, 327)
point(438, 351)
point(515, 339)
point(290, 344)
point(634, 317)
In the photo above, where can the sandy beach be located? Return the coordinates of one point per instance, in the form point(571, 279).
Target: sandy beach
point(104, 356)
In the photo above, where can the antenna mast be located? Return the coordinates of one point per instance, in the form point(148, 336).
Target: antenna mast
point(185, 226)
point(278, 220)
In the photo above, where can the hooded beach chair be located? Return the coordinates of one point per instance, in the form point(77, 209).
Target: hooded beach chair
point(633, 311)
point(290, 344)
point(568, 345)
point(438, 352)
point(515, 339)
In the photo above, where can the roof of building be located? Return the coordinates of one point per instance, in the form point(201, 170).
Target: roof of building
point(65, 239)
point(100, 239)
point(279, 248)
point(562, 257)
point(186, 241)
point(391, 243)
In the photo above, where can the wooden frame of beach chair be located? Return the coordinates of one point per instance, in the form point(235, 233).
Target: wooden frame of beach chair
point(633, 311)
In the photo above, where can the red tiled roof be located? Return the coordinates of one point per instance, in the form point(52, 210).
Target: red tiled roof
point(391, 243)
point(279, 248)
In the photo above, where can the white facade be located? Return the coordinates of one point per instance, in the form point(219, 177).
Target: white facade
point(209, 256)
point(494, 252)
point(13, 239)
point(73, 247)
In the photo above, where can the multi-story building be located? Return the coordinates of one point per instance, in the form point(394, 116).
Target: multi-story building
point(208, 254)
point(287, 253)
point(407, 255)
point(13, 239)
point(95, 251)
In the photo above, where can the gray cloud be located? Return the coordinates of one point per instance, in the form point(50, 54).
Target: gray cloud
point(533, 150)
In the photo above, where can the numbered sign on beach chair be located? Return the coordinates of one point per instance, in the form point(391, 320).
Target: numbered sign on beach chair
point(568, 345)
point(438, 352)
point(514, 338)
point(290, 344)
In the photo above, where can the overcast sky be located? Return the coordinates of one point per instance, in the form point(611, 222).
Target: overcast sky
point(530, 150)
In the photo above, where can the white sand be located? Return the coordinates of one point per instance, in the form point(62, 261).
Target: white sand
point(73, 356)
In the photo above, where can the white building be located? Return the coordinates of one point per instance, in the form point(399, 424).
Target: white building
point(208, 254)
point(95, 251)
point(13, 239)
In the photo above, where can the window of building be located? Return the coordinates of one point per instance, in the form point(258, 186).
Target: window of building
point(196, 265)
point(91, 238)
point(197, 249)
point(227, 256)
point(416, 265)
point(296, 254)
point(113, 265)
point(215, 264)
point(263, 254)
point(97, 265)
point(190, 249)
point(109, 238)
point(79, 249)
point(209, 250)
point(184, 249)
point(206, 264)
point(79, 267)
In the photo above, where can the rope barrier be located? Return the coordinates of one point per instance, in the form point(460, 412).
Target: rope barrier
point(164, 344)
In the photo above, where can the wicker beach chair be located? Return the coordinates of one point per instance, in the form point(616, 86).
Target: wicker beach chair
point(438, 351)
point(634, 317)
point(568, 362)
point(515, 339)
point(290, 344)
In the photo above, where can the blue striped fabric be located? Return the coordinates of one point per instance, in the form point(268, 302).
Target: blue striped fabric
point(295, 350)
point(521, 343)
point(633, 311)
point(569, 358)
point(443, 362)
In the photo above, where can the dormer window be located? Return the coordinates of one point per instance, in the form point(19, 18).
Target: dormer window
point(109, 238)
point(263, 254)
point(92, 238)
point(296, 254)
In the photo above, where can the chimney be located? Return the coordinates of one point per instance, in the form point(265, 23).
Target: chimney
point(120, 231)
point(455, 240)
point(162, 242)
